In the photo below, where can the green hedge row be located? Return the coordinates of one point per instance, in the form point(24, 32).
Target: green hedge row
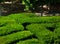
point(40, 31)
point(38, 20)
point(6, 20)
point(10, 28)
point(42, 26)
point(23, 15)
point(31, 41)
point(57, 24)
point(15, 36)
point(57, 29)
point(22, 18)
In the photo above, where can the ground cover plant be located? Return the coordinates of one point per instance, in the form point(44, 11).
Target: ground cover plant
point(27, 28)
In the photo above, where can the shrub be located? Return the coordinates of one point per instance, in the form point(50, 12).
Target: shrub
point(40, 31)
point(38, 20)
point(15, 36)
point(10, 28)
point(25, 17)
point(6, 20)
point(57, 35)
point(57, 24)
point(31, 41)
point(42, 26)
point(57, 31)
point(48, 24)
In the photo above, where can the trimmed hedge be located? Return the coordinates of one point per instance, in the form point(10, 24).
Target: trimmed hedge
point(6, 20)
point(57, 35)
point(25, 17)
point(10, 28)
point(41, 32)
point(31, 41)
point(57, 24)
point(15, 36)
point(48, 24)
point(38, 20)
point(57, 29)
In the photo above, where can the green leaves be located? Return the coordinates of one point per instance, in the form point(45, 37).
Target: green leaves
point(10, 28)
point(30, 41)
point(25, 28)
point(15, 36)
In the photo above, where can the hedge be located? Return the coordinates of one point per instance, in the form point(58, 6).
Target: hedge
point(39, 20)
point(41, 32)
point(57, 24)
point(10, 28)
point(42, 26)
point(23, 15)
point(6, 20)
point(22, 18)
point(57, 35)
point(31, 41)
point(57, 29)
point(48, 24)
point(15, 36)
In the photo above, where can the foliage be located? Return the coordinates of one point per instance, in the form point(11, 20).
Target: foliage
point(6, 20)
point(39, 30)
point(30, 41)
point(10, 28)
point(29, 29)
point(39, 20)
point(14, 37)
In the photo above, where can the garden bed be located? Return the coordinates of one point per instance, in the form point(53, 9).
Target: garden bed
point(29, 29)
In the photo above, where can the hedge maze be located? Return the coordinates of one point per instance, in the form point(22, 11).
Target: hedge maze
point(29, 29)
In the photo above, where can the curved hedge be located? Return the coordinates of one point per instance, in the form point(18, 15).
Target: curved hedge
point(39, 19)
point(31, 41)
point(15, 36)
point(25, 27)
point(22, 15)
point(40, 31)
point(10, 28)
point(6, 20)
point(22, 18)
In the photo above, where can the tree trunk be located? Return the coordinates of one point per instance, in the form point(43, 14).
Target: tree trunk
point(41, 10)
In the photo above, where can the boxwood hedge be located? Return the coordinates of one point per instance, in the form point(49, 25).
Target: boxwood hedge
point(39, 20)
point(31, 41)
point(41, 32)
point(22, 18)
point(10, 28)
point(23, 15)
point(6, 20)
point(15, 36)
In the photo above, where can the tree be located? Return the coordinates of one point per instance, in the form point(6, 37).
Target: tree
point(1, 1)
